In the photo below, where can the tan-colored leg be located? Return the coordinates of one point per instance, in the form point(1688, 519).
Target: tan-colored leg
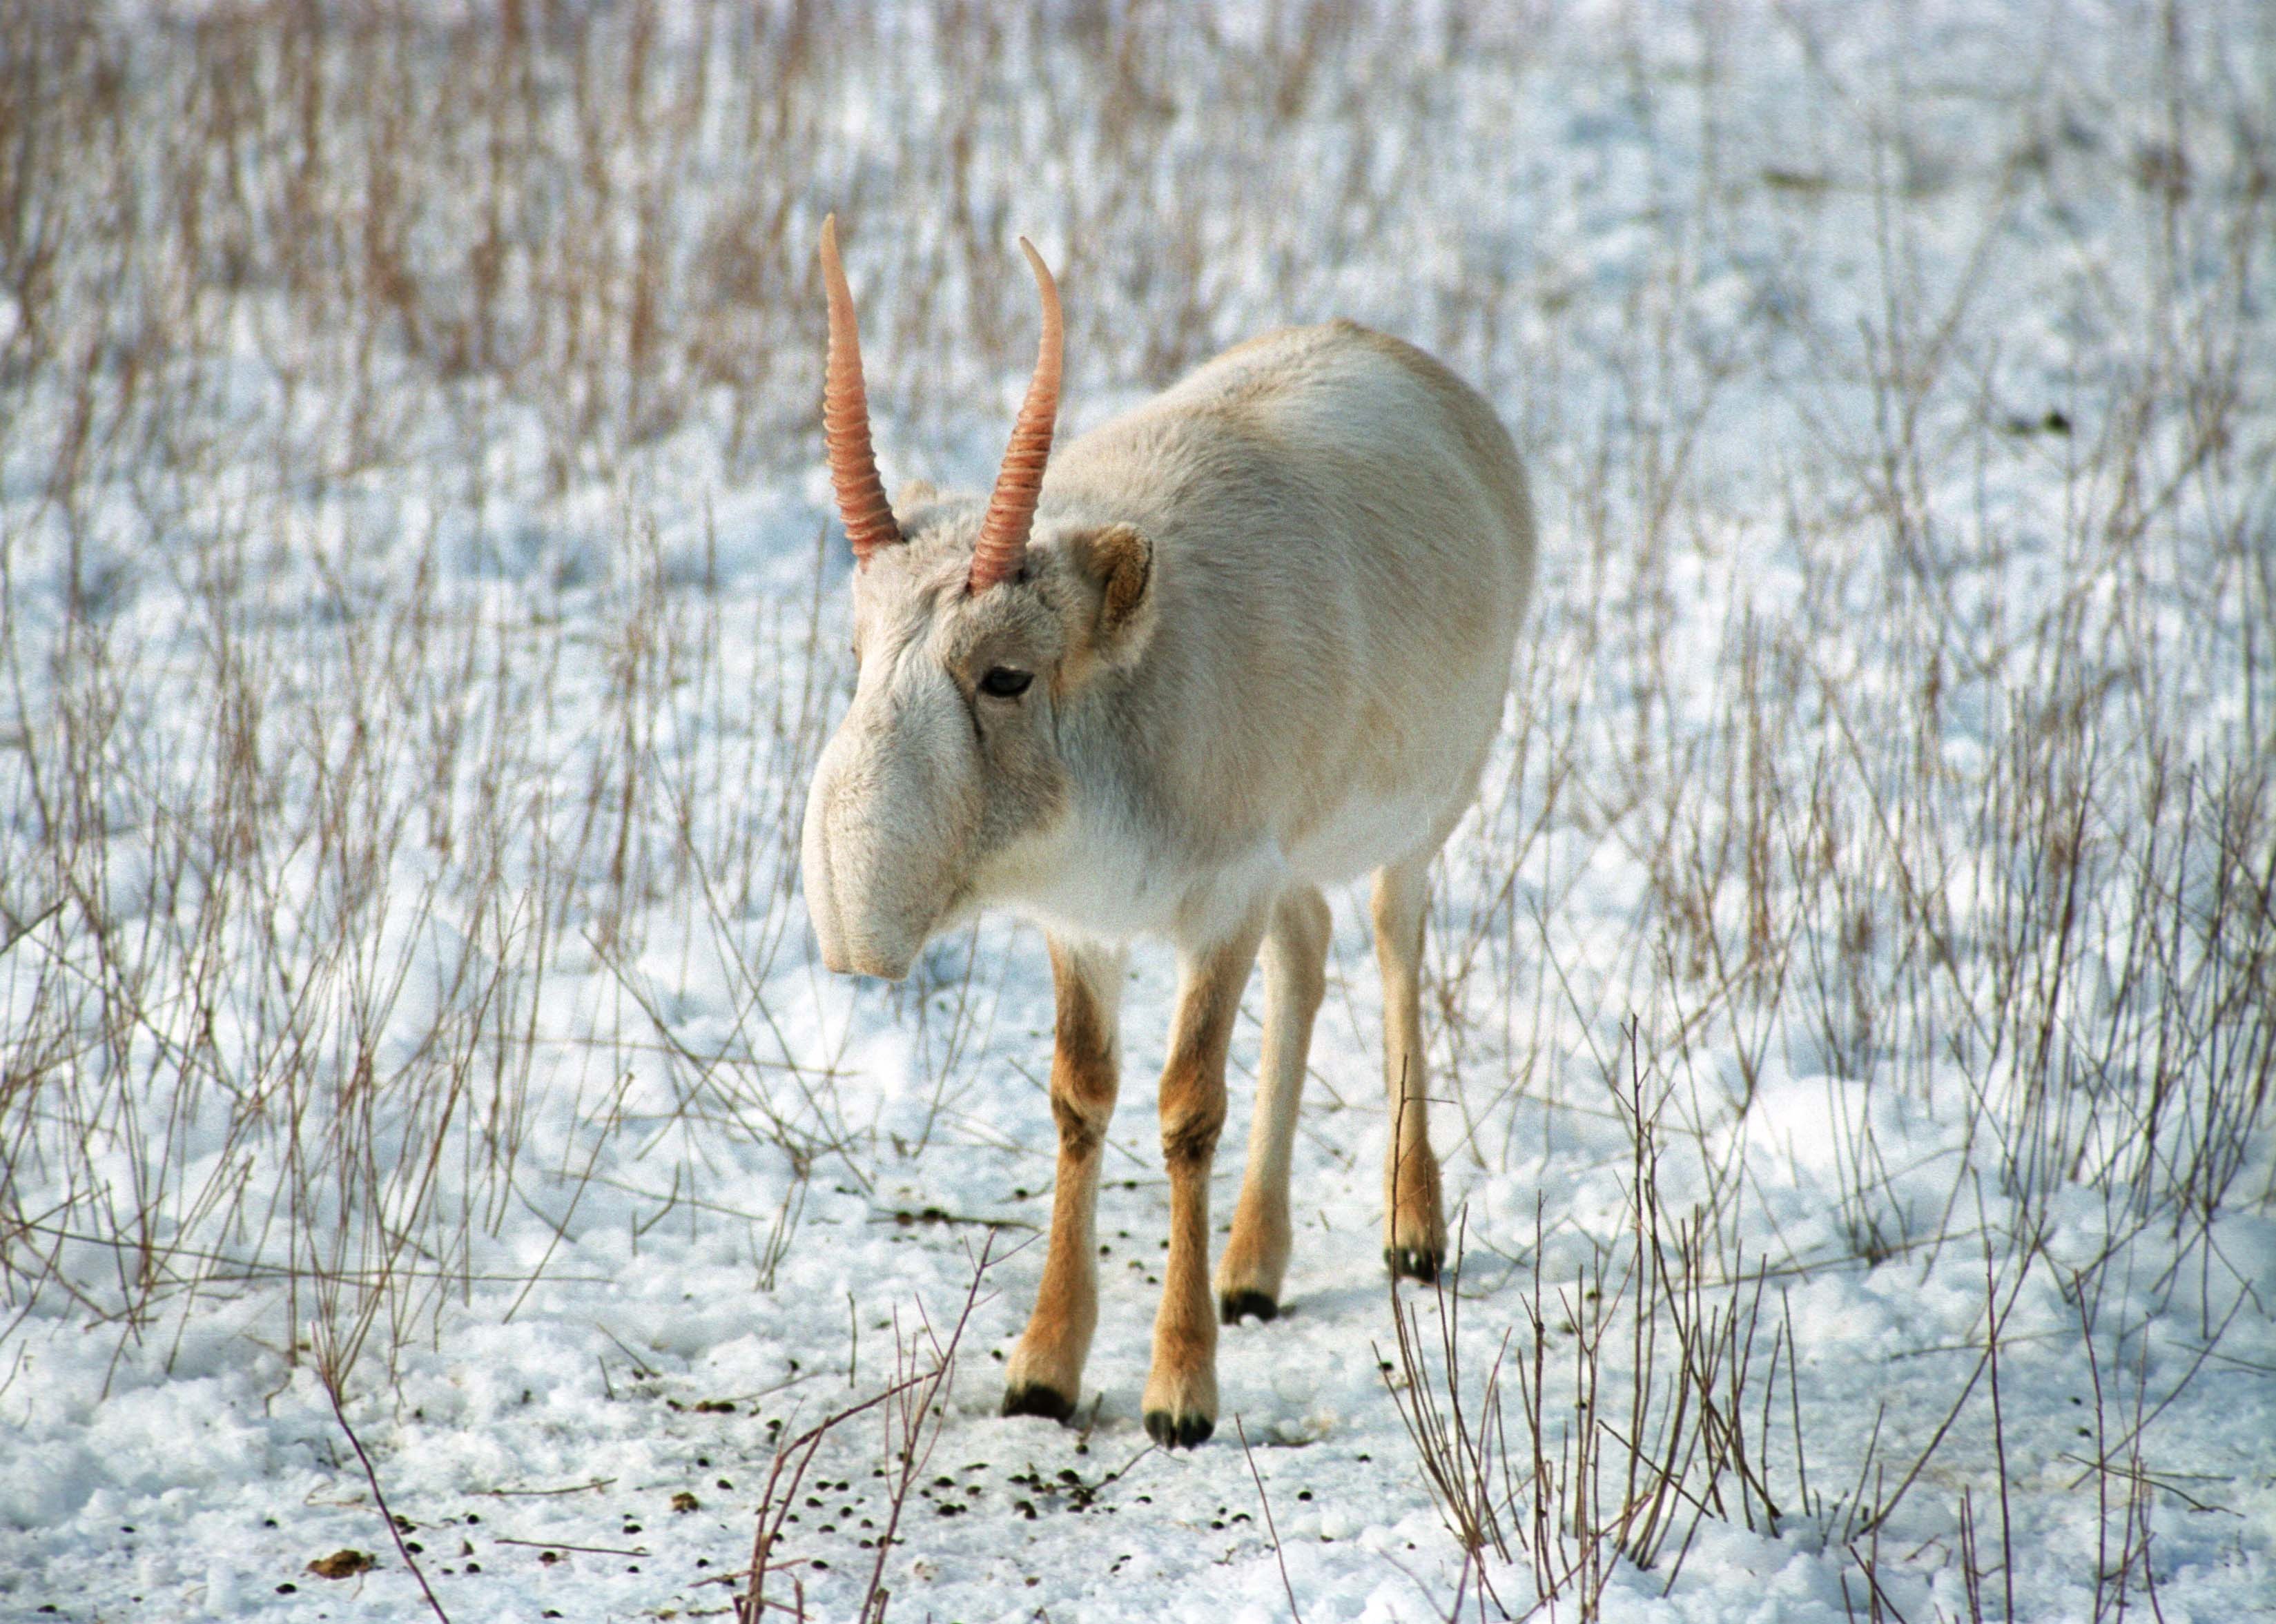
point(1255, 1261)
point(1413, 1219)
point(1044, 1376)
point(1181, 1402)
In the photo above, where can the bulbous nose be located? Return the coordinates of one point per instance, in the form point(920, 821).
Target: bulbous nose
point(821, 904)
point(845, 952)
point(861, 867)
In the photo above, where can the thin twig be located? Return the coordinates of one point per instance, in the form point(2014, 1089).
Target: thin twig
point(1295, 1614)
point(575, 1488)
point(394, 1532)
point(556, 1544)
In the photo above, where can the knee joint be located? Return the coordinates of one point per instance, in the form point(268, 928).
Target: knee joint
point(1189, 1136)
point(1081, 1125)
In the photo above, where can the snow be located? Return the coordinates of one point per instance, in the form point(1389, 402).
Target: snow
point(456, 1024)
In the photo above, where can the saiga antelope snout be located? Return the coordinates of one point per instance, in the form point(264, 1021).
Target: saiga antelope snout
point(1249, 640)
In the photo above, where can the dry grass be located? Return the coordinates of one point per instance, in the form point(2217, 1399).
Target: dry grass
point(371, 667)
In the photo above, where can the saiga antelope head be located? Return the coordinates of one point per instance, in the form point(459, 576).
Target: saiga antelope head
point(972, 629)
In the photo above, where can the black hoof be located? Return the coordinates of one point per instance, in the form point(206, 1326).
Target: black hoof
point(1035, 1399)
point(1413, 1262)
point(1234, 1306)
point(1177, 1432)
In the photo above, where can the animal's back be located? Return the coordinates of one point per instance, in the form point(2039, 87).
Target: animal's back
point(1346, 550)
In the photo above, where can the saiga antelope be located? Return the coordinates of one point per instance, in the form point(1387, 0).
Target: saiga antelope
point(1248, 639)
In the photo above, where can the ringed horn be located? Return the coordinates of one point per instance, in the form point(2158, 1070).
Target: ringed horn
point(1012, 508)
point(861, 503)
point(845, 417)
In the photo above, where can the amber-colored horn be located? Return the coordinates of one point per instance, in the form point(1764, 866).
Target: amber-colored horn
point(845, 417)
point(1012, 509)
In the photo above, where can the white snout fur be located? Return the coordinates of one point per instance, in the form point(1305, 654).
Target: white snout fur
point(888, 822)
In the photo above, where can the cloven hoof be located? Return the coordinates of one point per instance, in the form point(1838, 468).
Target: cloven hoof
point(1035, 1399)
point(1177, 1432)
point(1413, 1262)
point(1235, 1306)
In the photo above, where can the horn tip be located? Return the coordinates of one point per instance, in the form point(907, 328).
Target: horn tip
point(1046, 283)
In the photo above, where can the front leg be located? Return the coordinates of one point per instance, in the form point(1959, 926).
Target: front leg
point(1181, 1402)
point(1045, 1374)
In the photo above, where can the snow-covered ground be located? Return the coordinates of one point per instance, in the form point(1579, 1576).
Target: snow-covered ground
point(1851, 1002)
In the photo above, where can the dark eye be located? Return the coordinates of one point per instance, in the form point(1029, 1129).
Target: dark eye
point(1001, 682)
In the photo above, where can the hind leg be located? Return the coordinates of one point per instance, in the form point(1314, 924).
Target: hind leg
point(1414, 1220)
point(1256, 1261)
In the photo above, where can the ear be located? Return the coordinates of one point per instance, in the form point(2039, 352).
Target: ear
point(1118, 563)
point(914, 493)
